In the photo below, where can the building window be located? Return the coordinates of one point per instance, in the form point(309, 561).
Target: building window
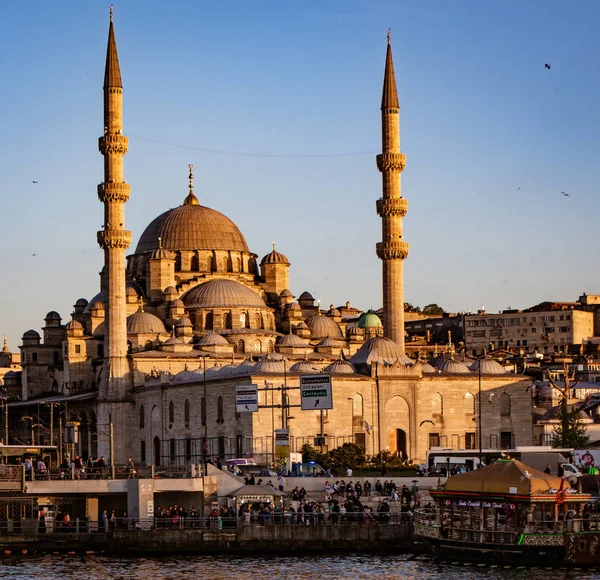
point(227, 320)
point(221, 441)
point(243, 319)
point(100, 351)
point(77, 349)
point(177, 262)
point(186, 413)
point(171, 412)
point(208, 323)
point(239, 346)
point(437, 404)
point(469, 404)
point(271, 346)
point(469, 440)
point(142, 417)
point(506, 440)
point(34, 357)
point(188, 449)
point(195, 264)
point(505, 405)
point(203, 411)
point(434, 440)
point(257, 346)
point(257, 320)
point(220, 410)
point(143, 451)
point(172, 449)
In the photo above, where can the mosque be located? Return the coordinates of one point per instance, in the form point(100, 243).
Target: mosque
point(149, 367)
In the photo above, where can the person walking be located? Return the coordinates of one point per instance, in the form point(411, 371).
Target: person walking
point(131, 469)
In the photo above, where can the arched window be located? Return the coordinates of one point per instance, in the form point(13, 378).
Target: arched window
point(177, 262)
point(225, 264)
point(469, 404)
point(238, 265)
point(239, 347)
point(271, 346)
point(243, 319)
point(203, 410)
point(100, 351)
point(257, 320)
point(142, 417)
point(220, 410)
point(55, 386)
point(195, 263)
point(186, 413)
point(257, 346)
point(357, 406)
point(247, 320)
point(129, 347)
point(209, 264)
point(437, 404)
point(505, 405)
point(227, 322)
point(171, 412)
point(208, 323)
point(148, 345)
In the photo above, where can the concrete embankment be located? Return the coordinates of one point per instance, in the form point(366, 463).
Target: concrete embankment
point(272, 539)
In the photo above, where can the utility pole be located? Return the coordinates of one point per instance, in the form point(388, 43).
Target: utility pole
point(565, 395)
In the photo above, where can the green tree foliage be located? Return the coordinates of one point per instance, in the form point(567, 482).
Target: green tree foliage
point(408, 307)
point(571, 432)
point(433, 309)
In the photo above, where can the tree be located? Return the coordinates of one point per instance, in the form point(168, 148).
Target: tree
point(433, 309)
point(571, 432)
point(408, 307)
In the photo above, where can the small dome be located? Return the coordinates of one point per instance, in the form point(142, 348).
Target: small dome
point(131, 291)
point(274, 258)
point(330, 342)
point(356, 330)
point(334, 312)
point(427, 368)
point(74, 325)
point(305, 366)
point(245, 367)
point(184, 321)
point(177, 303)
point(381, 350)
point(268, 364)
point(173, 340)
point(301, 326)
point(341, 367)
point(185, 376)
point(463, 358)
point(52, 315)
point(286, 293)
point(81, 302)
point(97, 306)
point(100, 297)
point(450, 365)
point(222, 293)
point(144, 323)
point(369, 320)
point(306, 296)
point(213, 339)
point(488, 367)
point(227, 370)
point(162, 254)
point(170, 290)
point(293, 341)
point(212, 372)
point(323, 327)
point(31, 335)
point(436, 360)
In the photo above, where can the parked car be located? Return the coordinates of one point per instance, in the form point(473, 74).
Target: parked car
point(240, 461)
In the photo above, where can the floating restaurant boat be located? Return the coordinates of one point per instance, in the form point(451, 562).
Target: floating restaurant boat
point(509, 513)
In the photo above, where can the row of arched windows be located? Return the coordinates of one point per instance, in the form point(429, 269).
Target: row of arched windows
point(186, 413)
point(216, 320)
point(210, 264)
point(437, 404)
point(257, 346)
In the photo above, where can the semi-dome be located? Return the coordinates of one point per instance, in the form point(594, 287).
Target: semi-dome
point(305, 366)
point(450, 365)
point(213, 339)
point(222, 293)
point(323, 327)
point(341, 367)
point(380, 350)
point(144, 323)
point(488, 367)
point(369, 320)
point(191, 227)
point(293, 340)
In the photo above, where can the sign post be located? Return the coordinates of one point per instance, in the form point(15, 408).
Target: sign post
point(315, 392)
point(246, 399)
point(282, 443)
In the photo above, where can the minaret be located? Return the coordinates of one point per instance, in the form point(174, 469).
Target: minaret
point(114, 239)
point(392, 207)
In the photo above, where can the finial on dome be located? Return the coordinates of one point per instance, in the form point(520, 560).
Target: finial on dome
point(389, 36)
point(140, 304)
point(159, 242)
point(5, 347)
point(273, 245)
point(319, 307)
point(191, 199)
point(111, 12)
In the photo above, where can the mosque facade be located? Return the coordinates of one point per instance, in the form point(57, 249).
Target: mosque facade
point(149, 367)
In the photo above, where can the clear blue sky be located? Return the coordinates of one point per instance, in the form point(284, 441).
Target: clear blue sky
point(481, 118)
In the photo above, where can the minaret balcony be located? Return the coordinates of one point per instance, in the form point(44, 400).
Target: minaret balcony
point(392, 250)
point(120, 239)
point(392, 206)
point(113, 144)
point(113, 192)
point(391, 162)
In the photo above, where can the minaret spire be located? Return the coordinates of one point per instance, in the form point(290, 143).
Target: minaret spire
point(191, 199)
point(114, 239)
point(392, 207)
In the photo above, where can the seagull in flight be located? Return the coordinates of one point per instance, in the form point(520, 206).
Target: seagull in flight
point(34, 254)
point(547, 66)
point(566, 194)
point(33, 181)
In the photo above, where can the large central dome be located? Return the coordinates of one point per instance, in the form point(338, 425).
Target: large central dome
point(192, 227)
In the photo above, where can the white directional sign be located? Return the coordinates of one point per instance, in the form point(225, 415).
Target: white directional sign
point(282, 437)
point(315, 392)
point(246, 399)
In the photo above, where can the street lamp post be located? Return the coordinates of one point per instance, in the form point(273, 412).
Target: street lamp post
point(479, 411)
point(205, 418)
point(351, 418)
